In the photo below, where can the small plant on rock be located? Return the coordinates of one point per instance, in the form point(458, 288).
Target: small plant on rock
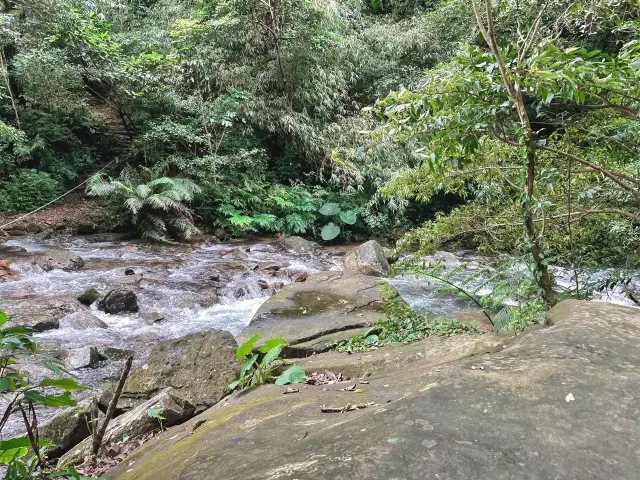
point(260, 368)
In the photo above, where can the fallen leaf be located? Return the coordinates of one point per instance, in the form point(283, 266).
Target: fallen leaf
point(359, 390)
point(291, 390)
point(569, 398)
point(349, 389)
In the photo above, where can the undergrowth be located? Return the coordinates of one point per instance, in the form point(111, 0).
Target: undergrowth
point(401, 325)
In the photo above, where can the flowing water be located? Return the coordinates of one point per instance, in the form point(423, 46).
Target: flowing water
point(195, 288)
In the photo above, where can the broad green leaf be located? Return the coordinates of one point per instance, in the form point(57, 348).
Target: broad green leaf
point(3, 318)
point(52, 401)
point(349, 217)
point(233, 385)
point(293, 374)
point(155, 412)
point(5, 384)
point(6, 456)
point(272, 342)
point(272, 355)
point(330, 231)
point(330, 209)
point(63, 383)
point(247, 365)
point(245, 349)
point(20, 442)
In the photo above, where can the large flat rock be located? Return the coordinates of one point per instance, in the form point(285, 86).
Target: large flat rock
point(325, 303)
point(560, 402)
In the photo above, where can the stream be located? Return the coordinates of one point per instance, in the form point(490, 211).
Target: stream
point(195, 288)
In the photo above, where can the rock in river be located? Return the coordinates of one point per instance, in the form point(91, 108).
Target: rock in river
point(368, 259)
point(299, 245)
point(200, 365)
point(88, 296)
point(327, 302)
point(81, 320)
point(119, 300)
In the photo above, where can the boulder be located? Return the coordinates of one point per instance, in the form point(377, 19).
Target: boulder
point(200, 365)
point(299, 245)
point(327, 302)
point(368, 259)
point(81, 320)
point(44, 235)
point(119, 300)
point(69, 427)
point(175, 410)
point(88, 296)
point(220, 233)
point(113, 353)
point(448, 259)
point(84, 357)
point(59, 259)
point(560, 402)
point(59, 226)
point(17, 232)
point(86, 228)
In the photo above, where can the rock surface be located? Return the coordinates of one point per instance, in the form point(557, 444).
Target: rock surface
point(299, 245)
point(59, 259)
point(69, 427)
point(81, 320)
point(326, 303)
point(175, 410)
point(88, 296)
point(119, 300)
point(560, 402)
point(368, 259)
point(82, 358)
point(200, 365)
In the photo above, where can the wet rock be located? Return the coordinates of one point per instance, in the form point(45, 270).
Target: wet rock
point(88, 296)
point(119, 300)
point(112, 353)
point(206, 298)
point(325, 303)
point(44, 235)
point(240, 293)
point(152, 318)
point(17, 232)
point(220, 233)
point(175, 407)
point(214, 278)
point(273, 267)
point(263, 284)
point(368, 259)
point(34, 228)
point(59, 226)
point(302, 277)
point(69, 427)
point(559, 402)
point(448, 259)
point(82, 358)
point(5, 268)
point(299, 245)
point(81, 320)
point(59, 259)
point(86, 228)
point(12, 250)
point(200, 365)
point(129, 271)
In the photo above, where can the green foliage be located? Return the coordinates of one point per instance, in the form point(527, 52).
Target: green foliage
point(401, 325)
point(17, 343)
point(28, 189)
point(157, 414)
point(259, 368)
point(156, 207)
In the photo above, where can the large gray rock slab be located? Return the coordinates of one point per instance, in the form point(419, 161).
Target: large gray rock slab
point(327, 302)
point(560, 402)
point(69, 427)
point(368, 259)
point(200, 366)
point(59, 259)
point(175, 410)
point(299, 245)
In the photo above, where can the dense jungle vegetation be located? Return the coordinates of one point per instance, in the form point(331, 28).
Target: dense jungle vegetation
point(510, 125)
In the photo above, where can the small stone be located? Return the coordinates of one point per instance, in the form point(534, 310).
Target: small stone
point(112, 353)
point(60, 226)
point(263, 284)
point(34, 228)
point(129, 271)
point(302, 277)
point(119, 300)
point(86, 228)
point(274, 267)
point(152, 317)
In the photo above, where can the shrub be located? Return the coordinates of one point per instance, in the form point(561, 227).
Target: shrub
point(27, 190)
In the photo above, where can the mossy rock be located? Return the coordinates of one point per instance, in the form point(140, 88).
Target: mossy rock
point(88, 296)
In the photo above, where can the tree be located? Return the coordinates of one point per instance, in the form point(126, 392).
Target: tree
point(504, 111)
